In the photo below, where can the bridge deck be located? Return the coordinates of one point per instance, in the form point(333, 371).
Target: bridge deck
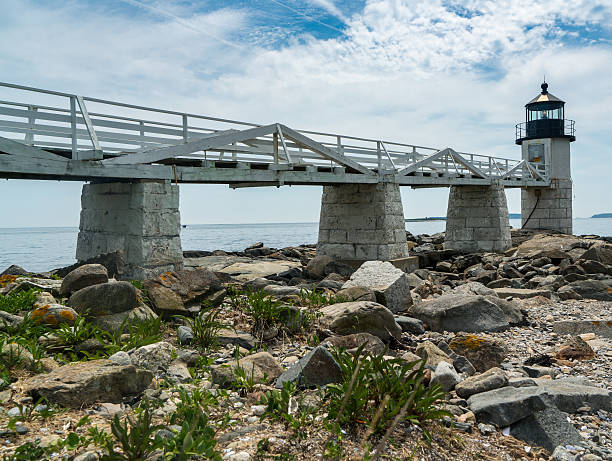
point(52, 135)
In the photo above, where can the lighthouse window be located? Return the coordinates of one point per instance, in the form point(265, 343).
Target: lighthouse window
point(536, 153)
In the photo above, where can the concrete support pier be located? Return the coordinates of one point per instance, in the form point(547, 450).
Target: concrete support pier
point(548, 208)
point(362, 222)
point(477, 219)
point(141, 219)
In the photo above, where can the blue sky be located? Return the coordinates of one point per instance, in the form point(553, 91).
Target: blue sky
point(434, 73)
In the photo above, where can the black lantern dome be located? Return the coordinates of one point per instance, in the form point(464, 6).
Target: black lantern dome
point(545, 118)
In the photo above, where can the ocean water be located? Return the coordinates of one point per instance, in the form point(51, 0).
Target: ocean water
point(46, 248)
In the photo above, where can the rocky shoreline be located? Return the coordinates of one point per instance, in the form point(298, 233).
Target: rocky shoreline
point(519, 344)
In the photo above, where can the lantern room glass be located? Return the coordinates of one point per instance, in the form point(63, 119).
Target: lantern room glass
point(544, 114)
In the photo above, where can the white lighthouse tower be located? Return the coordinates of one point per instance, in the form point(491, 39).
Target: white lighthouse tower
point(545, 138)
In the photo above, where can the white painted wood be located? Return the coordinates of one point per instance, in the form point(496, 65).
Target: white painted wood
point(92, 133)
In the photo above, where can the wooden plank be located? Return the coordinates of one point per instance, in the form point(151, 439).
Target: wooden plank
point(217, 140)
point(324, 151)
point(423, 163)
point(467, 165)
point(24, 152)
point(92, 132)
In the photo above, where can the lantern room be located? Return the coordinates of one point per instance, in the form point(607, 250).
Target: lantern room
point(545, 118)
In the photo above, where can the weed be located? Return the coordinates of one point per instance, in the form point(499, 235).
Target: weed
point(139, 333)
point(265, 310)
point(286, 407)
point(243, 383)
point(314, 298)
point(205, 327)
point(77, 333)
point(16, 301)
point(367, 380)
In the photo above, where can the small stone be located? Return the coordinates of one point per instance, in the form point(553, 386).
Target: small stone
point(258, 410)
point(185, 335)
point(486, 429)
point(121, 358)
point(445, 376)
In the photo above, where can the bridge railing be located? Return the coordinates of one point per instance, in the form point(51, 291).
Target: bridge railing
point(91, 128)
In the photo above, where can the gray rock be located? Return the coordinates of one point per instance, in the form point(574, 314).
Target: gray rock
point(178, 371)
point(546, 428)
point(483, 351)
point(491, 379)
point(14, 270)
point(278, 291)
point(237, 338)
point(445, 376)
point(105, 299)
point(316, 266)
point(566, 293)
point(184, 334)
point(360, 317)
point(261, 367)
point(114, 322)
point(486, 429)
point(601, 327)
point(522, 293)
point(83, 276)
point(388, 282)
point(372, 344)
point(82, 383)
point(460, 362)
point(562, 454)
point(457, 312)
point(317, 368)
point(121, 358)
point(154, 356)
point(10, 320)
point(87, 456)
point(599, 253)
point(356, 294)
point(592, 289)
point(410, 325)
point(165, 301)
point(432, 354)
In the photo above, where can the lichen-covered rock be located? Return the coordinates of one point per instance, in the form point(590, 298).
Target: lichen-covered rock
point(82, 383)
point(154, 356)
point(360, 317)
point(191, 285)
point(54, 315)
point(483, 351)
point(83, 276)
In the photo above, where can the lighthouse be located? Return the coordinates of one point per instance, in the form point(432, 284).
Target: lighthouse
point(545, 138)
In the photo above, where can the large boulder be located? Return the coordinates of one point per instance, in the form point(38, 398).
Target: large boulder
point(601, 327)
point(591, 289)
point(493, 378)
point(261, 367)
point(458, 312)
point(191, 285)
point(316, 266)
point(120, 320)
point(546, 428)
point(388, 282)
point(164, 300)
point(483, 351)
point(360, 317)
point(154, 356)
point(356, 294)
point(53, 315)
point(105, 298)
point(83, 383)
point(551, 246)
point(83, 276)
point(315, 369)
point(371, 344)
point(599, 253)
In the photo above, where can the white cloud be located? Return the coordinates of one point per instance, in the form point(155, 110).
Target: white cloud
point(411, 71)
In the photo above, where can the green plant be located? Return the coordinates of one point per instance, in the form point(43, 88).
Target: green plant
point(265, 310)
point(314, 298)
point(29, 451)
point(285, 406)
point(205, 327)
point(80, 331)
point(139, 333)
point(137, 284)
point(21, 300)
point(136, 437)
point(377, 389)
point(243, 382)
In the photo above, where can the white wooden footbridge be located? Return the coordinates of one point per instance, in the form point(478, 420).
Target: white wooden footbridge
point(83, 138)
point(135, 157)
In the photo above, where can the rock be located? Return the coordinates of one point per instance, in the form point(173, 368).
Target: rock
point(165, 301)
point(592, 289)
point(410, 325)
point(226, 336)
point(121, 358)
point(549, 246)
point(83, 276)
point(483, 351)
point(43, 298)
point(316, 266)
point(154, 356)
point(432, 355)
point(486, 429)
point(82, 383)
point(178, 371)
point(566, 293)
point(494, 378)
point(576, 349)
point(458, 312)
point(445, 376)
point(278, 291)
point(522, 293)
point(184, 334)
point(10, 320)
point(508, 405)
point(562, 454)
point(114, 322)
point(388, 282)
point(599, 253)
point(601, 327)
point(192, 286)
point(14, 269)
point(356, 294)
point(54, 315)
point(546, 428)
point(317, 368)
point(104, 299)
point(512, 312)
point(360, 317)
point(16, 354)
point(372, 343)
point(461, 363)
point(262, 367)
point(474, 288)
